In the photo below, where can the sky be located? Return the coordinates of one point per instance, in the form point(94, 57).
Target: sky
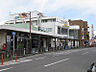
point(68, 9)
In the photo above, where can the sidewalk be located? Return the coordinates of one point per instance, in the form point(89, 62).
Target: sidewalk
point(11, 62)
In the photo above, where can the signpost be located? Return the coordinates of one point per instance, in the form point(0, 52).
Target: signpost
point(13, 33)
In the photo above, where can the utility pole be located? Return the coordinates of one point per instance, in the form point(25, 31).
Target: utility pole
point(30, 34)
point(74, 36)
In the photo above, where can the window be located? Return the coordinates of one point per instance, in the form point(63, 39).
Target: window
point(58, 30)
point(44, 21)
point(48, 20)
point(54, 20)
point(64, 31)
point(49, 29)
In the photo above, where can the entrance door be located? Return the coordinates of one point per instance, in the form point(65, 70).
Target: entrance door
point(34, 46)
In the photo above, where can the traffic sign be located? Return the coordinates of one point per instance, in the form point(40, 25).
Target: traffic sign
point(13, 33)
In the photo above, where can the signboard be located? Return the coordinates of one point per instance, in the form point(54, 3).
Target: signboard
point(82, 33)
point(19, 16)
point(65, 25)
point(22, 15)
point(13, 33)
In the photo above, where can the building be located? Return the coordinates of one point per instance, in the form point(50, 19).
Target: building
point(91, 34)
point(83, 31)
point(73, 32)
point(47, 33)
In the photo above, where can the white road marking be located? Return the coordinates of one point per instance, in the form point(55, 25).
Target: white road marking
point(62, 53)
point(85, 53)
point(5, 69)
point(56, 62)
point(32, 56)
point(28, 60)
point(39, 58)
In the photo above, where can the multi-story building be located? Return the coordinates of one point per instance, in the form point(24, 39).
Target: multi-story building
point(47, 33)
point(83, 31)
point(91, 34)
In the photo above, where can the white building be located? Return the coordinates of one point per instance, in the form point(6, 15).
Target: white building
point(91, 34)
point(52, 25)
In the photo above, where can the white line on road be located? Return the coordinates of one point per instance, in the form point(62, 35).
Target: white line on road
point(32, 56)
point(5, 69)
point(84, 53)
point(28, 60)
point(56, 62)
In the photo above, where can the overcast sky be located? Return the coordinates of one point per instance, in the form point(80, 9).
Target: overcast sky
point(68, 9)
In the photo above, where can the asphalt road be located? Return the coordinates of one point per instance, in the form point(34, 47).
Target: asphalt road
point(76, 60)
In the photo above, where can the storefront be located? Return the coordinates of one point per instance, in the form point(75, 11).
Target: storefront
point(20, 43)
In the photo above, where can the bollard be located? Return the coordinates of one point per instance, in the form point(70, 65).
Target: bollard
point(2, 59)
point(15, 57)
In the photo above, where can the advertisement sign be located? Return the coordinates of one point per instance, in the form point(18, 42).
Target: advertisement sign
point(65, 25)
point(19, 16)
point(22, 15)
point(13, 33)
point(82, 33)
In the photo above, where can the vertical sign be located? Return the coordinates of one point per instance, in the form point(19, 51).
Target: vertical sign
point(82, 33)
point(13, 33)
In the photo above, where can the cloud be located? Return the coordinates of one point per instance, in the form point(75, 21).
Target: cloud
point(14, 6)
point(87, 5)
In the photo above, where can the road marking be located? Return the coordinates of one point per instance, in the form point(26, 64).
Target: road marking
point(84, 53)
point(56, 62)
point(5, 69)
point(28, 60)
point(32, 56)
point(39, 58)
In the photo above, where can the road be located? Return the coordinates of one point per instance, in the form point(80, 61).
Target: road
point(76, 60)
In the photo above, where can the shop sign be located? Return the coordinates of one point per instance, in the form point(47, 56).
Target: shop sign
point(13, 33)
point(65, 25)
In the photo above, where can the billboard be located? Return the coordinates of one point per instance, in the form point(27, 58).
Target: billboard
point(82, 33)
point(19, 16)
